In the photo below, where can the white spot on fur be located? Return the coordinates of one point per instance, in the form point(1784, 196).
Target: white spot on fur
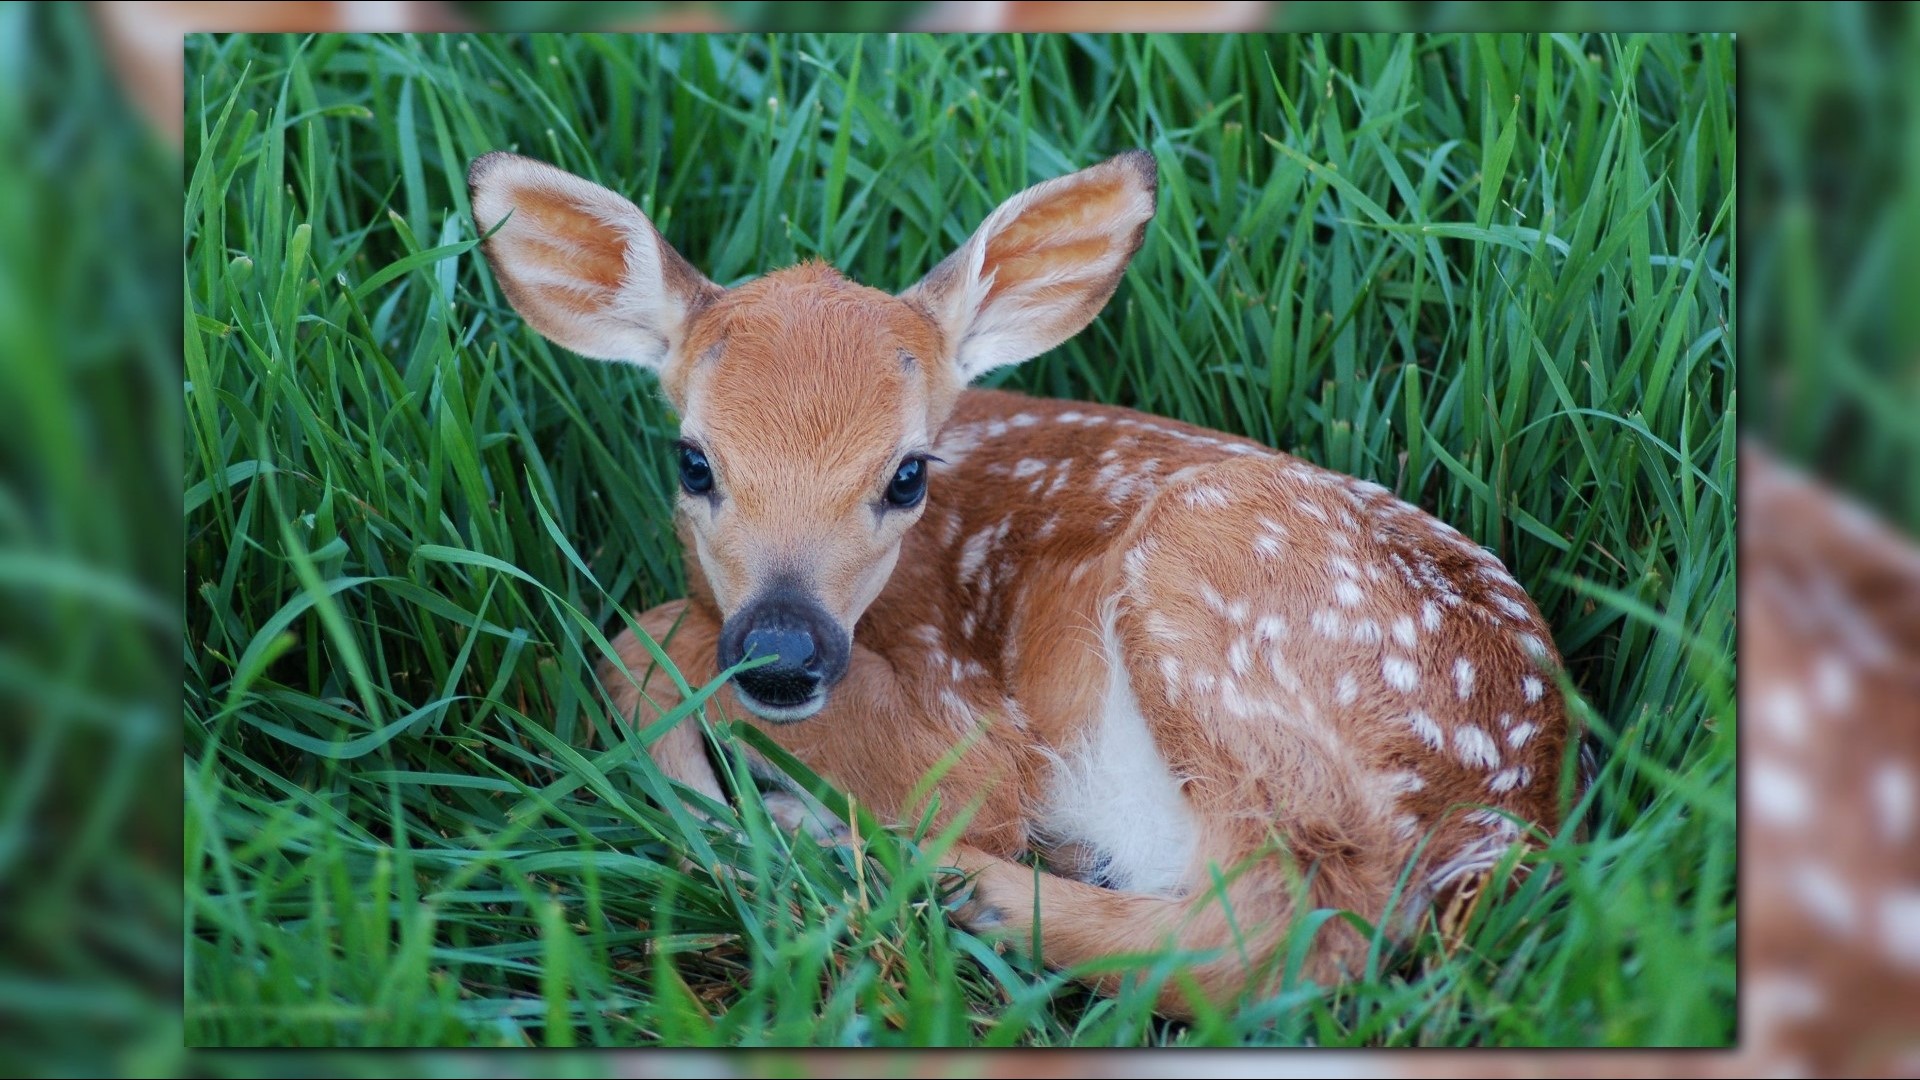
point(1401, 674)
point(1366, 632)
point(1348, 593)
point(1345, 567)
point(1534, 646)
point(1826, 897)
point(1429, 615)
point(1022, 420)
point(1518, 737)
point(957, 706)
point(973, 555)
point(1784, 711)
point(1068, 417)
point(1029, 467)
point(1478, 857)
point(1833, 684)
point(1328, 623)
point(1900, 926)
point(1269, 628)
point(1893, 800)
point(1346, 689)
point(1463, 678)
point(1047, 528)
point(1240, 655)
point(957, 442)
point(1513, 608)
point(1495, 822)
point(1778, 794)
point(1314, 512)
point(1282, 674)
point(1235, 701)
point(1475, 747)
point(1404, 631)
point(996, 429)
point(1162, 628)
point(1770, 999)
point(1531, 688)
point(1267, 546)
point(1212, 598)
point(1507, 779)
point(1428, 731)
point(1170, 671)
point(1210, 497)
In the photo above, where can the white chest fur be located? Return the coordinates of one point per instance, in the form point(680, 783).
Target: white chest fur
point(1114, 795)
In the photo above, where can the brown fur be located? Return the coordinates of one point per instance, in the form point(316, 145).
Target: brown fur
point(1294, 638)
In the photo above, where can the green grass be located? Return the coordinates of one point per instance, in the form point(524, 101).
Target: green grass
point(1492, 273)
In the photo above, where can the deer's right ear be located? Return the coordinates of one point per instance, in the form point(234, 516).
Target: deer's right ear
point(582, 265)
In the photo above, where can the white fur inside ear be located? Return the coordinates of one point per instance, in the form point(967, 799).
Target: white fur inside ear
point(584, 266)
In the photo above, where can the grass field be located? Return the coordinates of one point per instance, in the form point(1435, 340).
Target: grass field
point(1494, 274)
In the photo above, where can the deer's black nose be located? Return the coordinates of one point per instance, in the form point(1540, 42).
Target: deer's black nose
point(808, 648)
point(792, 648)
point(792, 677)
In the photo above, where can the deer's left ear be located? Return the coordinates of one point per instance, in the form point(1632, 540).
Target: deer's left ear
point(1041, 266)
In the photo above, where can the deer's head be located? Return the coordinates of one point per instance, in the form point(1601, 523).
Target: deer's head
point(808, 404)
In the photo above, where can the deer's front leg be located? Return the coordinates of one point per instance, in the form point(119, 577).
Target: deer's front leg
point(644, 692)
point(876, 741)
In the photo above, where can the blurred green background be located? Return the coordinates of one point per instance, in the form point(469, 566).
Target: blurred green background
point(89, 539)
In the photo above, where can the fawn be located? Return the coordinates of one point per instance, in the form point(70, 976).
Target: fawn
point(1176, 652)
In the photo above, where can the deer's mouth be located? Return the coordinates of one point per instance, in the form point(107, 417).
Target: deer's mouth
point(780, 714)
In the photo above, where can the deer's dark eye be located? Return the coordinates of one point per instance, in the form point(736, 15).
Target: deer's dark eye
point(695, 474)
point(909, 484)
